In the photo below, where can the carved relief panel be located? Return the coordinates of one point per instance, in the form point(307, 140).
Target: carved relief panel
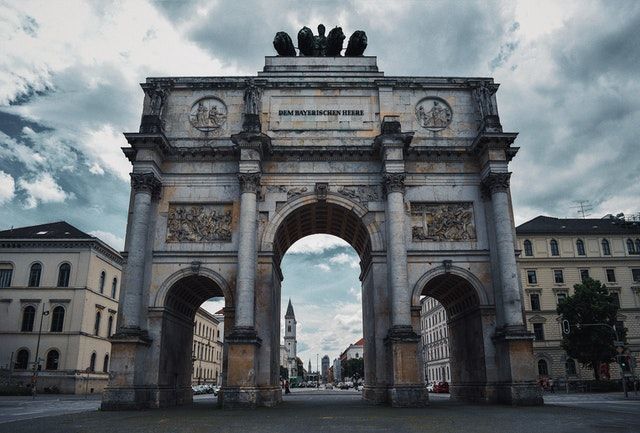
point(199, 223)
point(442, 222)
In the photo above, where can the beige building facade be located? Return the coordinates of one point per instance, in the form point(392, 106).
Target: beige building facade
point(67, 282)
point(208, 336)
point(435, 341)
point(558, 253)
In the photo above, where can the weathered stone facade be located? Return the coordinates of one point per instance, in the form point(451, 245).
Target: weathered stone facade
point(322, 145)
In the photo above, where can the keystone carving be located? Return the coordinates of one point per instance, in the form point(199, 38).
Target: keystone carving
point(199, 223)
point(393, 182)
point(249, 182)
point(146, 182)
point(442, 222)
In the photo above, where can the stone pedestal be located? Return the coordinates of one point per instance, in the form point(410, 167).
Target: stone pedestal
point(407, 389)
point(516, 369)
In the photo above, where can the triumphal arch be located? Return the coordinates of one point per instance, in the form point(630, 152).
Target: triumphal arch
point(228, 172)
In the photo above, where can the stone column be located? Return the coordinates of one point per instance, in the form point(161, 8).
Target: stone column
point(245, 286)
point(146, 187)
point(397, 250)
point(497, 184)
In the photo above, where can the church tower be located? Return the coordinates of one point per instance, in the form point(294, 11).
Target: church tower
point(290, 340)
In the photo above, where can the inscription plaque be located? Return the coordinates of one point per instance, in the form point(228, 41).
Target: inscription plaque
point(333, 113)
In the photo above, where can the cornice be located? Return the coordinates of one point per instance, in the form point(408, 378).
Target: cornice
point(38, 244)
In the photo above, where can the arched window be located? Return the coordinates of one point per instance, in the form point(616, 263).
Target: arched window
point(570, 367)
point(114, 286)
point(554, 247)
point(110, 326)
point(92, 362)
point(606, 249)
point(103, 277)
point(28, 317)
point(637, 246)
point(580, 247)
point(57, 319)
point(22, 360)
point(53, 357)
point(528, 248)
point(543, 369)
point(34, 275)
point(96, 326)
point(630, 247)
point(105, 364)
point(64, 272)
point(6, 271)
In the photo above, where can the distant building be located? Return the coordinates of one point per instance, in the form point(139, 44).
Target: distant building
point(556, 254)
point(337, 370)
point(66, 281)
point(208, 334)
point(325, 368)
point(435, 341)
point(290, 342)
point(355, 350)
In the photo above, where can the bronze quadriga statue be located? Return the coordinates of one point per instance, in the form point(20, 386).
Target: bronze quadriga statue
point(310, 45)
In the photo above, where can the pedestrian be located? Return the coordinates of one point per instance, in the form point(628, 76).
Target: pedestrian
point(286, 387)
point(551, 385)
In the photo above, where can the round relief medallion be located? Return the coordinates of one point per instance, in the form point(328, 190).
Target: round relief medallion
point(433, 114)
point(208, 114)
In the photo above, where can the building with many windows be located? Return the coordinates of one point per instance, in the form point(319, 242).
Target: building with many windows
point(558, 253)
point(208, 335)
point(435, 341)
point(59, 291)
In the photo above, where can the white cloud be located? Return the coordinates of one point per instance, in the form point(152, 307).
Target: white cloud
point(95, 168)
point(316, 244)
point(344, 258)
point(109, 238)
point(213, 305)
point(323, 266)
point(7, 187)
point(42, 189)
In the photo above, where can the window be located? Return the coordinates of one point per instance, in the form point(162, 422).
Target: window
point(631, 247)
point(580, 247)
point(606, 250)
point(34, 275)
point(528, 248)
point(584, 274)
point(96, 327)
point(289, 328)
point(92, 362)
point(570, 367)
point(615, 298)
point(635, 274)
point(535, 301)
point(103, 277)
point(543, 369)
point(538, 331)
point(53, 357)
point(22, 359)
point(558, 276)
point(114, 286)
point(611, 275)
point(561, 296)
point(57, 319)
point(531, 277)
point(105, 364)
point(637, 246)
point(28, 317)
point(6, 270)
point(63, 275)
point(110, 326)
point(554, 248)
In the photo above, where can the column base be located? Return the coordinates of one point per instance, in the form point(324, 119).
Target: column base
point(249, 397)
point(474, 393)
point(408, 396)
point(375, 394)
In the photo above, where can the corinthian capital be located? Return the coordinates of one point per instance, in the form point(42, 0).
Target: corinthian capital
point(249, 182)
point(496, 182)
point(146, 182)
point(393, 182)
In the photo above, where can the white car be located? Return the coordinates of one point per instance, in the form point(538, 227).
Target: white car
point(430, 387)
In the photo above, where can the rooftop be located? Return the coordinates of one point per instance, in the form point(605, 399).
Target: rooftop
point(56, 230)
point(578, 226)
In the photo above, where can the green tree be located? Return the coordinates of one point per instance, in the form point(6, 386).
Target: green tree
point(590, 345)
point(284, 372)
point(353, 366)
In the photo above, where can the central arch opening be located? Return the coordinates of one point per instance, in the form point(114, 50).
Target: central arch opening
point(323, 250)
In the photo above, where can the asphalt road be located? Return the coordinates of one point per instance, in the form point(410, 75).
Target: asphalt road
point(313, 411)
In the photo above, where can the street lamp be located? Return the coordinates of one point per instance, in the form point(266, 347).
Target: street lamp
point(36, 362)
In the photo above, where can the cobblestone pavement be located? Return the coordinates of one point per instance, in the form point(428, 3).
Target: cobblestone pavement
point(337, 411)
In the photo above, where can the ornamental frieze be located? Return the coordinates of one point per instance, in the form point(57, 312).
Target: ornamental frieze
point(199, 223)
point(360, 193)
point(442, 222)
point(433, 114)
point(208, 114)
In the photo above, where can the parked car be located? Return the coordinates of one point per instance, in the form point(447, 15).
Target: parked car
point(441, 387)
point(430, 387)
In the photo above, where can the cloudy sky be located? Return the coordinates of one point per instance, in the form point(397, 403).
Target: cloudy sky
point(69, 74)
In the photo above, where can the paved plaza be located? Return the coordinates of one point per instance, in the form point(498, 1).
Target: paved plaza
point(312, 411)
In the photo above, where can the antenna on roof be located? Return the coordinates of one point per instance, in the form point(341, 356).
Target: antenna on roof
point(583, 207)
